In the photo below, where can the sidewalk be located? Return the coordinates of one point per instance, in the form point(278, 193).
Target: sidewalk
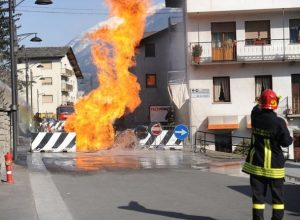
point(222, 159)
point(17, 201)
point(292, 170)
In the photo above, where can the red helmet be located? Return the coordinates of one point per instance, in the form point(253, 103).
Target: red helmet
point(268, 99)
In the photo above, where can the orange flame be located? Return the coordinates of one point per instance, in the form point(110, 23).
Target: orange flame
point(118, 90)
point(100, 162)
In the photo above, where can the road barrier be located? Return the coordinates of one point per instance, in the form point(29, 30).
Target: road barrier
point(165, 140)
point(66, 142)
point(53, 142)
point(52, 126)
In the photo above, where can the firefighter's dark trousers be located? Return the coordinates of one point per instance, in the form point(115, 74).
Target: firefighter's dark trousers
point(259, 187)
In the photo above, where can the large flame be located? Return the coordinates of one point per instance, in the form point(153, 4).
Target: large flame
point(118, 90)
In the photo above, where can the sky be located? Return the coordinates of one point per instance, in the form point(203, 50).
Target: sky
point(59, 23)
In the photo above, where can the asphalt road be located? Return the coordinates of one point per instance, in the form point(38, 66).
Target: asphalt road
point(143, 186)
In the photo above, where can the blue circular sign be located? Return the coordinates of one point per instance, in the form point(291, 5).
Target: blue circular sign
point(181, 132)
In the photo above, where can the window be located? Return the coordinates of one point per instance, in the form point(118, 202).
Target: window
point(295, 30)
point(221, 89)
point(257, 32)
point(47, 81)
point(262, 83)
point(151, 81)
point(223, 34)
point(47, 64)
point(149, 50)
point(47, 99)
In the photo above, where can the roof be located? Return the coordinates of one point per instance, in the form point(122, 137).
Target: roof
point(148, 34)
point(171, 27)
point(153, 33)
point(38, 53)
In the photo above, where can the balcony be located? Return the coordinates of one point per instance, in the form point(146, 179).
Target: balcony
point(217, 6)
point(66, 87)
point(67, 72)
point(289, 107)
point(275, 50)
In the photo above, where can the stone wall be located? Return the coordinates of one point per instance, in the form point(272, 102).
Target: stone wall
point(5, 137)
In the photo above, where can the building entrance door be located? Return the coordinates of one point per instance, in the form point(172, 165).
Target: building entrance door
point(296, 135)
point(223, 41)
point(296, 93)
point(223, 142)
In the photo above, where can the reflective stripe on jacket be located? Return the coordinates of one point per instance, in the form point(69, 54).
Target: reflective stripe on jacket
point(269, 134)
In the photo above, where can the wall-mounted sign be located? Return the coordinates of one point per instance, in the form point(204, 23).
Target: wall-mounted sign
point(159, 113)
point(199, 93)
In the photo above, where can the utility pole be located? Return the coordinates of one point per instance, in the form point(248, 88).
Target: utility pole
point(26, 82)
point(13, 74)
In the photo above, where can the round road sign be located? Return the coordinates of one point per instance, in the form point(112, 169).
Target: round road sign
point(156, 129)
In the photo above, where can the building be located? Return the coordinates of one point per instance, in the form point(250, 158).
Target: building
point(245, 47)
point(160, 57)
point(52, 74)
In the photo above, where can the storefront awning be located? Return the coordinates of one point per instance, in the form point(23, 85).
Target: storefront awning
point(248, 120)
point(223, 122)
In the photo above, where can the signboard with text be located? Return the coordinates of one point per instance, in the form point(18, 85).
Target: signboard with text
point(158, 113)
point(199, 93)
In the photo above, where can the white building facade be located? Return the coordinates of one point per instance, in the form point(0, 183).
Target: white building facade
point(246, 47)
point(52, 78)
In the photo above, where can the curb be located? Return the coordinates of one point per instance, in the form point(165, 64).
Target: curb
point(292, 179)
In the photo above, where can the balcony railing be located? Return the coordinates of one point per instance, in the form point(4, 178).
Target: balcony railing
point(245, 51)
point(289, 107)
point(67, 72)
point(66, 87)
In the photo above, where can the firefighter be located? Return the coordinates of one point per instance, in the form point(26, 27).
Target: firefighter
point(170, 117)
point(265, 160)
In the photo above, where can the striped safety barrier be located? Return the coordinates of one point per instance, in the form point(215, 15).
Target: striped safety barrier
point(52, 126)
point(53, 142)
point(165, 140)
point(66, 142)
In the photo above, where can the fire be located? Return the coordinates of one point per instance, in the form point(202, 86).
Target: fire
point(100, 162)
point(118, 91)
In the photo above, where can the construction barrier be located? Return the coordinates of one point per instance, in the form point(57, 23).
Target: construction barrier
point(53, 142)
point(66, 142)
point(165, 140)
point(52, 126)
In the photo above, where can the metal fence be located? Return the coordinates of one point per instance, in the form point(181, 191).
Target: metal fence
point(243, 51)
point(289, 106)
point(208, 138)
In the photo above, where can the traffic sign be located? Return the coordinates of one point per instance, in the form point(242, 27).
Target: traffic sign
point(181, 132)
point(156, 129)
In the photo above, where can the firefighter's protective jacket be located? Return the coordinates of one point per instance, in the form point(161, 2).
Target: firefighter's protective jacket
point(269, 134)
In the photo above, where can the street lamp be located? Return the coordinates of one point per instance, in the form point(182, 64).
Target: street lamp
point(31, 81)
point(37, 100)
point(13, 71)
point(43, 2)
point(31, 96)
point(34, 39)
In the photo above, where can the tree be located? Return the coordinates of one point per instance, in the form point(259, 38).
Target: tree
point(4, 43)
point(5, 75)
